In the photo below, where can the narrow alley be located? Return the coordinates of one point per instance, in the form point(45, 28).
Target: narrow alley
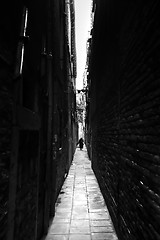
point(48, 187)
point(81, 212)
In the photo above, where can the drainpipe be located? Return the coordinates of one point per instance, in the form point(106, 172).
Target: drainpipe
point(50, 119)
point(69, 123)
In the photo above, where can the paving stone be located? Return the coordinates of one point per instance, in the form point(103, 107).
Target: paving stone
point(61, 220)
point(79, 237)
point(60, 228)
point(80, 210)
point(63, 215)
point(79, 203)
point(63, 210)
point(99, 216)
point(100, 229)
point(103, 236)
point(101, 223)
point(80, 230)
point(78, 222)
point(82, 215)
point(57, 237)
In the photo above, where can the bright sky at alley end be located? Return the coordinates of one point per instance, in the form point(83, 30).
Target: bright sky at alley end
point(82, 23)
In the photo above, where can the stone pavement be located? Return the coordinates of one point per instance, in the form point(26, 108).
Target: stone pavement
point(81, 213)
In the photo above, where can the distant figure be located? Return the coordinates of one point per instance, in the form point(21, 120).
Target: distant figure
point(80, 142)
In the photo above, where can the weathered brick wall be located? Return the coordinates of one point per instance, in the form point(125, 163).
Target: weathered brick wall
point(126, 139)
point(5, 150)
point(62, 162)
point(66, 135)
point(27, 179)
point(8, 30)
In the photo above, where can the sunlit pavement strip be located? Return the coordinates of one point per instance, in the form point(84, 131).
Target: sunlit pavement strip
point(81, 213)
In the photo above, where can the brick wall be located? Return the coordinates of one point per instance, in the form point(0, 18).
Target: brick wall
point(27, 178)
point(126, 134)
point(5, 149)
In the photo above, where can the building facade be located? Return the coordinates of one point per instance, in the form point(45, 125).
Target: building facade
point(38, 125)
point(123, 114)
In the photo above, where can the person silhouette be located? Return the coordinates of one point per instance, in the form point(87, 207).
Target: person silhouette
point(80, 142)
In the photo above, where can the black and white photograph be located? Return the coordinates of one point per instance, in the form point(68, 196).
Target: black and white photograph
point(80, 120)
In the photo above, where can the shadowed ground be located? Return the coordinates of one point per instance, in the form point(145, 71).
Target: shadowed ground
point(81, 213)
